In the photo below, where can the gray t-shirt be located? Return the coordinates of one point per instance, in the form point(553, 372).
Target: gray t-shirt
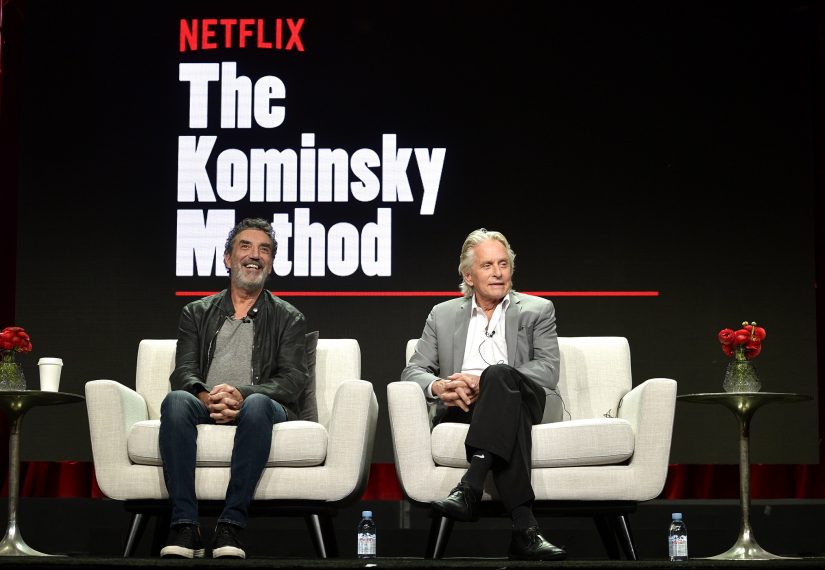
point(232, 363)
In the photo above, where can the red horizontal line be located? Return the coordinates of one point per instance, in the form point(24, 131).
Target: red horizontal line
point(432, 293)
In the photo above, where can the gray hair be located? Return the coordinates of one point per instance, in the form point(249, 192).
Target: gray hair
point(251, 224)
point(465, 262)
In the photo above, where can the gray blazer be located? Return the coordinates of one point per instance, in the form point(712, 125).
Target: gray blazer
point(532, 342)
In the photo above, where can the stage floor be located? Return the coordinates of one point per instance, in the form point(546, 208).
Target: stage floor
point(91, 533)
point(98, 563)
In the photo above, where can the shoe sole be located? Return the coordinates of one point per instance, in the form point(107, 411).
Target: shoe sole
point(557, 556)
point(181, 552)
point(445, 512)
point(228, 552)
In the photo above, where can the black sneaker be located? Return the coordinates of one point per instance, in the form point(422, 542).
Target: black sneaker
point(225, 543)
point(184, 542)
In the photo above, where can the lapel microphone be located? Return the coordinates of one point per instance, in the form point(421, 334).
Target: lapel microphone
point(250, 315)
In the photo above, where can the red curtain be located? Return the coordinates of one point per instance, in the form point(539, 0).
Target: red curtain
point(76, 479)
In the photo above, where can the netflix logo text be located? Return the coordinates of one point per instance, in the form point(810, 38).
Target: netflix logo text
point(256, 33)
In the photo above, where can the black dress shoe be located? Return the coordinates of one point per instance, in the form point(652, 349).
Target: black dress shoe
point(460, 505)
point(531, 545)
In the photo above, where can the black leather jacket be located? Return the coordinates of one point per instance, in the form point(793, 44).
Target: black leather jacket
point(279, 368)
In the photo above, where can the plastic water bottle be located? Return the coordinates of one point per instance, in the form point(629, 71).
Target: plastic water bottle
point(677, 545)
point(366, 536)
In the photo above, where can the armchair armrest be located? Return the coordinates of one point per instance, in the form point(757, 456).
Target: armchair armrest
point(112, 409)
point(412, 442)
point(650, 408)
point(351, 435)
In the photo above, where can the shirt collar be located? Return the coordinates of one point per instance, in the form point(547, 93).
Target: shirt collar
point(504, 304)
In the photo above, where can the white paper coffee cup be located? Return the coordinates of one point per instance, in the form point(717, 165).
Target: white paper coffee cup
point(50, 373)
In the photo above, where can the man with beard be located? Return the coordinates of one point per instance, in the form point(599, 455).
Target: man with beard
point(240, 361)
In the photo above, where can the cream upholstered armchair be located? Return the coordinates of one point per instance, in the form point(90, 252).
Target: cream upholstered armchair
point(609, 452)
point(315, 466)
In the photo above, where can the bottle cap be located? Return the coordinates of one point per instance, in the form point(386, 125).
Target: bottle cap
point(677, 516)
point(366, 514)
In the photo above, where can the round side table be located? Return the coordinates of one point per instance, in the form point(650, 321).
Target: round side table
point(744, 406)
point(15, 403)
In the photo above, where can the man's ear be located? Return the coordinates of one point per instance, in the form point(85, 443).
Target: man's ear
point(226, 263)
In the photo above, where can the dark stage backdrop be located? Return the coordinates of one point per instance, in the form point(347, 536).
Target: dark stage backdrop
point(651, 162)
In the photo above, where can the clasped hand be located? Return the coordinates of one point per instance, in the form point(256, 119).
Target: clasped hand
point(223, 402)
point(460, 390)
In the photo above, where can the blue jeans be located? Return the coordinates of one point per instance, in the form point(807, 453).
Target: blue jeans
point(180, 414)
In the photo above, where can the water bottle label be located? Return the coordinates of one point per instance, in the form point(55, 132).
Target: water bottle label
point(366, 544)
point(678, 547)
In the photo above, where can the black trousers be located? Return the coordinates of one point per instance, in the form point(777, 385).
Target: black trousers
point(501, 422)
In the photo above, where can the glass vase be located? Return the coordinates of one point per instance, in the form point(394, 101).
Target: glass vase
point(11, 375)
point(740, 376)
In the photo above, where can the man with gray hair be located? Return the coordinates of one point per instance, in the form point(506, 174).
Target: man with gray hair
point(240, 361)
point(490, 359)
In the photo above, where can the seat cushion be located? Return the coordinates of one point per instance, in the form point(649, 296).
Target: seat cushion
point(598, 441)
point(294, 444)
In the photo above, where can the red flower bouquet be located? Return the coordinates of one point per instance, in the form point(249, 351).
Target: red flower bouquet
point(742, 344)
point(14, 339)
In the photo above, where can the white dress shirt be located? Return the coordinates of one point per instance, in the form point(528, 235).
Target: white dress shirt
point(486, 341)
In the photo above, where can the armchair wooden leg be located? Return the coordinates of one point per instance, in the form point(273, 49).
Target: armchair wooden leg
point(162, 521)
point(322, 531)
point(614, 531)
point(622, 529)
point(136, 527)
point(608, 536)
point(440, 529)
